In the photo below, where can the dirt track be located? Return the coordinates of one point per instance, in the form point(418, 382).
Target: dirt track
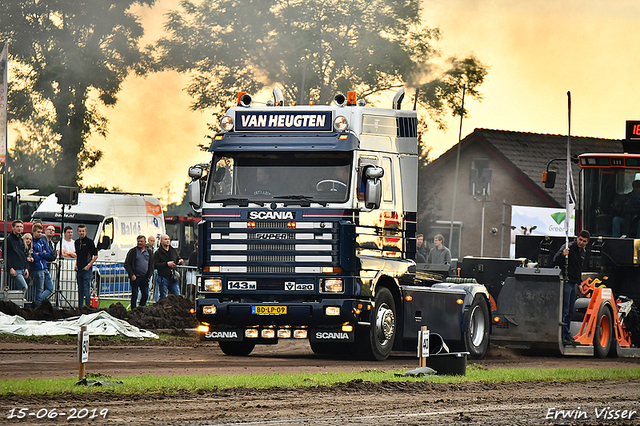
point(350, 403)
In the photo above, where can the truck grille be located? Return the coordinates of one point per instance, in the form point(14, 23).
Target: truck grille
point(271, 269)
point(272, 247)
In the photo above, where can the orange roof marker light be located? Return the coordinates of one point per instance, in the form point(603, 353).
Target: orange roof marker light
point(351, 98)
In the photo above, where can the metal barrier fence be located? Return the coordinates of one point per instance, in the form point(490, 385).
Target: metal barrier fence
point(109, 280)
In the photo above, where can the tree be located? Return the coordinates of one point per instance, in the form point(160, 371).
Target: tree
point(71, 55)
point(314, 49)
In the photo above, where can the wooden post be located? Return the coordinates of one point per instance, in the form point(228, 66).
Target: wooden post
point(423, 345)
point(83, 351)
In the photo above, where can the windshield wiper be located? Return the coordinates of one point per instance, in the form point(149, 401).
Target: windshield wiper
point(301, 198)
point(242, 202)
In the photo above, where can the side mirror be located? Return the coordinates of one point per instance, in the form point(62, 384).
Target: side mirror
point(195, 172)
point(372, 193)
point(373, 186)
point(195, 196)
point(549, 179)
point(373, 172)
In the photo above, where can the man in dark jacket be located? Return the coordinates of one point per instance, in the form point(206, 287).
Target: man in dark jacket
point(139, 266)
point(166, 260)
point(17, 257)
point(576, 254)
point(86, 255)
point(39, 267)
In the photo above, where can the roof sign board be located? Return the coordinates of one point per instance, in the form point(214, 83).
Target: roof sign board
point(633, 130)
point(631, 144)
point(306, 121)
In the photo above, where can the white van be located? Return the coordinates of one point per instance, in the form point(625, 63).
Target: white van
point(113, 222)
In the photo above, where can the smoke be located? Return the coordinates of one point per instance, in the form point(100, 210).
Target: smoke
point(538, 51)
point(153, 135)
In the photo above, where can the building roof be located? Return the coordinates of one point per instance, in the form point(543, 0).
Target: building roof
point(527, 155)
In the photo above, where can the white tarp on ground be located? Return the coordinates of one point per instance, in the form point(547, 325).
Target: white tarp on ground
point(98, 324)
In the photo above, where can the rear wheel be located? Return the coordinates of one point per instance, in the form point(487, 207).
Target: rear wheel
point(476, 335)
point(375, 342)
point(243, 348)
point(603, 336)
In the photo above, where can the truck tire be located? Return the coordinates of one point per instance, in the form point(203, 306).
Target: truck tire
point(476, 335)
point(375, 342)
point(603, 336)
point(243, 348)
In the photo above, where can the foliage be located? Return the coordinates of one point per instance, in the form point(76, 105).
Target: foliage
point(314, 50)
point(66, 58)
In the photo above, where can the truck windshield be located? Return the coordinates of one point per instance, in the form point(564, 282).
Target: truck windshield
point(612, 202)
point(319, 177)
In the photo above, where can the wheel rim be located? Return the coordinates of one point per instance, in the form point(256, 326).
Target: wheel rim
point(385, 324)
point(477, 326)
point(605, 331)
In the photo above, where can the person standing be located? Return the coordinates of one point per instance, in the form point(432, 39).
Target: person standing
point(86, 255)
point(166, 261)
point(138, 264)
point(49, 233)
point(67, 245)
point(153, 276)
point(17, 256)
point(421, 251)
point(576, 253)
point(39, 267)
point(439, 255)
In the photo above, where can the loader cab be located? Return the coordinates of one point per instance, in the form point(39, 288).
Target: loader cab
point(611, 188)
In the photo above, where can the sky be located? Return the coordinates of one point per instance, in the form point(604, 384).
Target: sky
point(537, 50)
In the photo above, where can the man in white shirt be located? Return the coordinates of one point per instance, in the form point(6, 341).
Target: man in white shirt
point(68, 246)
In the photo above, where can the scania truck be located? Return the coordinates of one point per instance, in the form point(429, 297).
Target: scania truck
point(308, 232)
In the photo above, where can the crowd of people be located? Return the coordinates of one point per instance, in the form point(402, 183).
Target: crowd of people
point(438, 255)
point(29, 258)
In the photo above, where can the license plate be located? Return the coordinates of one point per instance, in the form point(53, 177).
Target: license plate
point(269, 310)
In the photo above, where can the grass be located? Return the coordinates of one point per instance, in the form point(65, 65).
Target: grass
point(195, 383)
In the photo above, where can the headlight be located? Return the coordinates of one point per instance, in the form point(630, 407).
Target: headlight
point(340, 124)
point(332, 311)
point(209, 310)
point(332, 285)
point(213, 284)
point(226, 123)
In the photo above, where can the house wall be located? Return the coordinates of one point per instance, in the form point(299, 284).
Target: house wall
point(435, 195)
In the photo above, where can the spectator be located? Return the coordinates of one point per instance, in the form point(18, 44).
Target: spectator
point(17, 256)
point(28, 250)
point(439, 255)
point(138, 264)
point(68, 245)
point(166, 261)
point(193, 257)
point(86, 255)
point(49, 233)
point(39, 268)
point(153, 277)
point(421, 251)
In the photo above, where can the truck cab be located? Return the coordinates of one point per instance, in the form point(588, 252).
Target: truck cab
point(308, 231)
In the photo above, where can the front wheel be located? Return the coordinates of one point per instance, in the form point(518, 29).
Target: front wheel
point(476, 335)
point(375, 343)
point(603, 336)
point(243, 348)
